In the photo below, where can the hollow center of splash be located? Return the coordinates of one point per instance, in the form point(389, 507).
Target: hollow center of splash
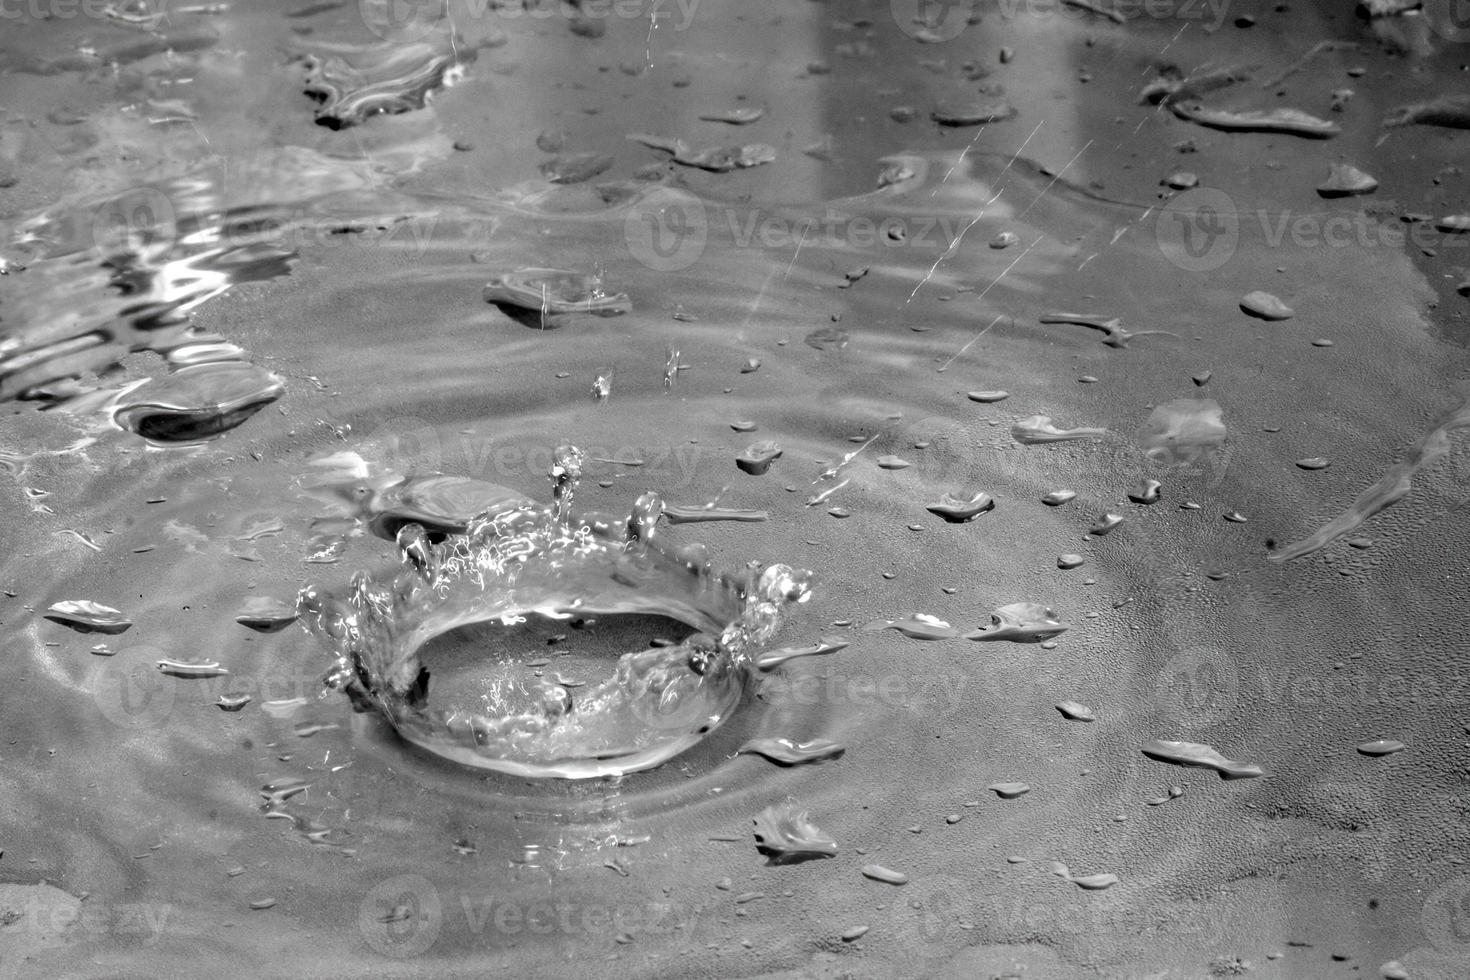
point(495, 669)
point(458, 649)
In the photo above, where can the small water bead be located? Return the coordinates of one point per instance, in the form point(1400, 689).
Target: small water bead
point(177, 668)
point(1009, 791)
point(1189, 505)
point(86, 616)
point(1381, 747)
point(1322, 342)
point(1004, 240)
point(1068, 562)
point(1345, 180)
point(1181, 181)
point(1105, 524)
point(1202, 379)
point(893, 463)
point(743, 425)
point(1087, 379)
point(1312, 463)
point(1265, 306)
point(878, 872)
point(1235, 517)
point(265, 614)
point(750, 366)
point(854, 932)
point(1038, 429)
point(758, 457)
point(233, 702)
point(1147, 492)
point(919, 626)
point(1058, 497)
point(957, 509)
point(988, 397)
point(840, 512)
point(967, 111)
point(1076, 711)
point(784, 833)
point(789, 752)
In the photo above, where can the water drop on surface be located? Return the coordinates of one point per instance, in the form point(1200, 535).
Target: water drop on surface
point(878, 872)
point(1381, 747)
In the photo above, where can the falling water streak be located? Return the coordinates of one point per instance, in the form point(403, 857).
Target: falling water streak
point(1169, 45)
point(1009, 163)
point(829, 473)
point(827, 493)
point(950, 250)
point(1055, 177)
point(755, 304)
point(802, 241)
point(1087, 260)
point(942, 368)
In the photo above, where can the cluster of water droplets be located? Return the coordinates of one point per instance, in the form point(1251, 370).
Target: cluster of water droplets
point(526, 559)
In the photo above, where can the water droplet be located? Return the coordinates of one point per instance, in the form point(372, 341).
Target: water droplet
point(178, 668)
point(1265, 306)
point(1313, 463)
point(1199, 754)
point(1105, 524)
point(1058, 497)
point(886, 875)
point(1075, 711)
point(919, 626)
point(1009, 791)
point(971, 111)
point(86, 616)
point(988, 397)
point(265, 614)
point(1070, 561)
point(789, 752)
point(1383, 746)
point(957, 510)
point(1345, 180)
point(233, 702)
point(1020, 622)
point(758, 457)
point(1037, 429)
point(1147, 492)
point(893, 463)
point(785, 834)
point(1004, 240)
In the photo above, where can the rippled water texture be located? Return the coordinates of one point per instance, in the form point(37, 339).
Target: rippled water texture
point(1122, 435)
